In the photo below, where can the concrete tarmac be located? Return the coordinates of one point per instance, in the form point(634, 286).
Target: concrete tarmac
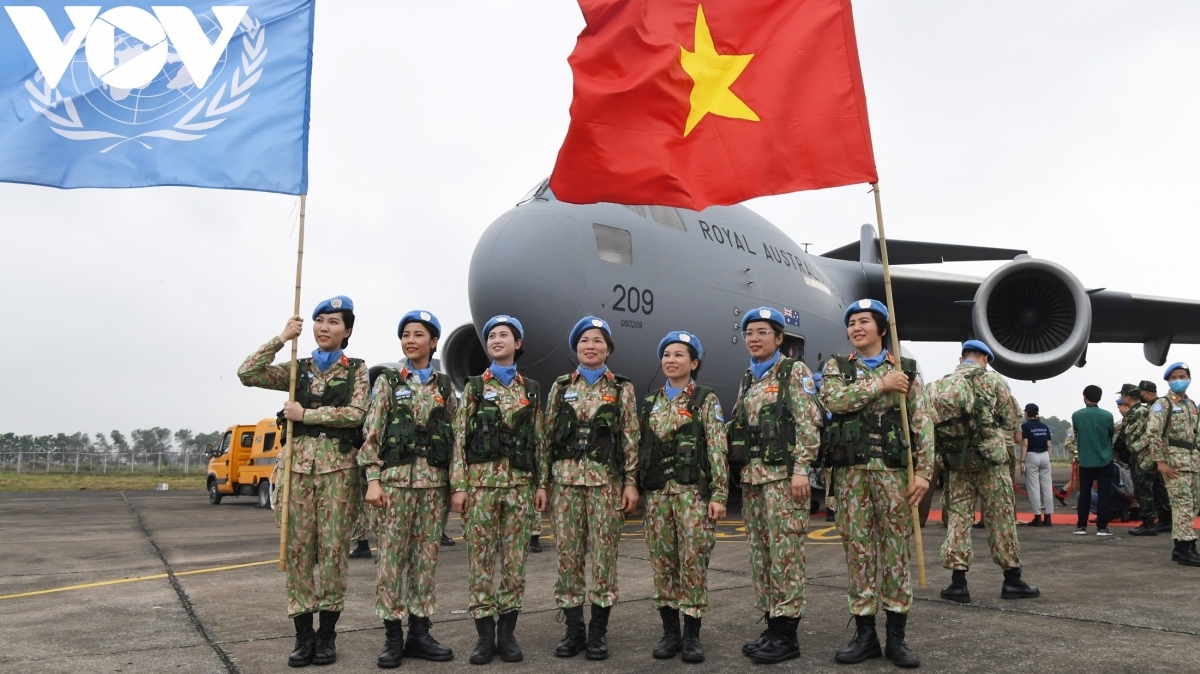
point(164, 582)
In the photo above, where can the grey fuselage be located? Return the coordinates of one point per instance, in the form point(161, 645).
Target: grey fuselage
point(542, 262)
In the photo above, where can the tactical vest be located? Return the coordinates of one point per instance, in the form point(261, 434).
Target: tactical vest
point(404, 439)
point(489, 438)
point(598, 438)
point(958, 441)
point(773, 438)
point(1173, 442)
point(854, 439)
point(337, 393)
point(682, 456)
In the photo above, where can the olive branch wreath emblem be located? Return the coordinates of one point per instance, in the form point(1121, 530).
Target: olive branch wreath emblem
point(254, 52)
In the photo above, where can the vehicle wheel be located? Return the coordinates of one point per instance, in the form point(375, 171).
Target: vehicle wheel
point(264, 494)
point(214, 496)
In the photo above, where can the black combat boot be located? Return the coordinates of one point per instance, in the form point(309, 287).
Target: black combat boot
point(897, 650)
point(1148, 528)
point(783, 644)
point(393, 645)
point(671, 640)
point(306, 641)
point(506, 641)
point(864, 645)
point(485, 648)
point(535, 543)
point(597, 643)
point(749, 647)
point(1015, 588)
point(692, 650)
point(957, 591)
point(1185, 553)
point(447, 541)
point(421, 644)
point(1164, 526)
point(326, 651)
point(361, 551)
point(576, 637)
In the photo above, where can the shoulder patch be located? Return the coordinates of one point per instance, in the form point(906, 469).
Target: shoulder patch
point(1157, 407)
point(717, 410)
point(810, 385)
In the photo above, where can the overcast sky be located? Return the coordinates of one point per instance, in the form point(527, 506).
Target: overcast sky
point(1071, 129)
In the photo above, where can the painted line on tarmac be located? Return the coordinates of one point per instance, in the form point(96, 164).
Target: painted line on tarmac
point(135, 579)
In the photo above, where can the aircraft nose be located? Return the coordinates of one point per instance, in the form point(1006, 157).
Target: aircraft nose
point(529, 264)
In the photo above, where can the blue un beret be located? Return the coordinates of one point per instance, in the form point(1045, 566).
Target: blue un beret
point(334, 305)
point(865, 305)
point(503, 320)
point(763, 314)
point(681, 337)
point(1176, 366)
point(430, 321)
point(587, 323)
point(976, 345)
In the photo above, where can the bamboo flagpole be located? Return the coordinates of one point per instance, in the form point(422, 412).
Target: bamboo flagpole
point(887, 287)
point(287, 448)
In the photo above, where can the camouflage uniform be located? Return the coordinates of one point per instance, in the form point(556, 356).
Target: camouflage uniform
point(1138, 443)
point(411, 532)
point(585, 499)
point(1176, 446)
point(322, 503)
point(499, 498)
point(678, 531)
point(948, 397)
point(874, 520)
point(776, 524)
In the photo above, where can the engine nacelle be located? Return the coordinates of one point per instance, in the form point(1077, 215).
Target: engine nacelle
point(1036, 317)
point(463, 355)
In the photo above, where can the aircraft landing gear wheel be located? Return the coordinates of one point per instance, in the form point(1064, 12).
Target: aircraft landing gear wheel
point(264, 494)
point(214, 496)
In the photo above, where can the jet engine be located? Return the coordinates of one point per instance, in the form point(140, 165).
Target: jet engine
point(463, 355)
point(1036, 317)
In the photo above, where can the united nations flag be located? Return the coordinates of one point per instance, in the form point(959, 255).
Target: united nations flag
point(156, 92)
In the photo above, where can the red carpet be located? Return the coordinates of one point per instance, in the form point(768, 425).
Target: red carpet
point(1064, 517)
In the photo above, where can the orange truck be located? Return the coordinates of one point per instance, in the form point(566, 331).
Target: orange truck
point(244, 461)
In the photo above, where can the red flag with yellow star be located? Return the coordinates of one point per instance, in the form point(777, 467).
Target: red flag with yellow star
point(694, 103)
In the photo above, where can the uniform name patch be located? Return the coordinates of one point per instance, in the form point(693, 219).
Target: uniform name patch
point(609, 399)
point(570, 396)
point(772, 389)
point(490, 395)
point(403, 394)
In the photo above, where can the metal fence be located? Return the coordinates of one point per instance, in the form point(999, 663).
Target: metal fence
point(83, 462)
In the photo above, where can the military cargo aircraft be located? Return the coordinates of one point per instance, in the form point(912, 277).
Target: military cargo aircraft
point(648, 270)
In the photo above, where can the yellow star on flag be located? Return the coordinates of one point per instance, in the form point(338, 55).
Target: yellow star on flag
point(712, 74)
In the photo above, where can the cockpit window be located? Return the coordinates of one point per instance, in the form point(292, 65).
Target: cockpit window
point(640, 210)
point(614, 245)
point(540, 191)
point(665, 215)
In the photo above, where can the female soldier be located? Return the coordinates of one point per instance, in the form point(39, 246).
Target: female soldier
point(774, 432)
point(874, 515)
point(592, 461)
point(331, 399)
point(682, 467)
point(492, 472)
point(406, 454)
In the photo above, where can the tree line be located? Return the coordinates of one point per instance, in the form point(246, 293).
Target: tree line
point(140, 444)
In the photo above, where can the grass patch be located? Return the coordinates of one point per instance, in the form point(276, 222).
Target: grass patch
point(110, 482)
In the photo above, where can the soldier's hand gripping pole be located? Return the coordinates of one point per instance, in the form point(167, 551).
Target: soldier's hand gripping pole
point(285, 493)
point(887, 287)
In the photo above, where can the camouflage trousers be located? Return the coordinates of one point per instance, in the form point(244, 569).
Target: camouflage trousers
point(1184, 492)
point(535, 522)
point(411, 536)
point(993, 485)
point(1150, 490)
point(586, 520)
point(367, 517)
point(321, 513)
point(681, 538)
point(497, 516)
point(875, 523)
point(776, 526)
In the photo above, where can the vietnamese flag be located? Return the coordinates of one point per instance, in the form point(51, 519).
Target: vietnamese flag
point(693, 103)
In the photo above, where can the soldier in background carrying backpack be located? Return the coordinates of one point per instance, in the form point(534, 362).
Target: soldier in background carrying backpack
point(588, 476)
point(327, 416)
point(685, 475)
point(866, 448)
point(977, 419)
point(774, 433)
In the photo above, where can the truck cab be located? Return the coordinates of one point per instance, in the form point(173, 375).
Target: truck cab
point(244, 461)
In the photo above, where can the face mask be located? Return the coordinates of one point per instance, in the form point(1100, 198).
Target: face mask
point(1179, 385)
